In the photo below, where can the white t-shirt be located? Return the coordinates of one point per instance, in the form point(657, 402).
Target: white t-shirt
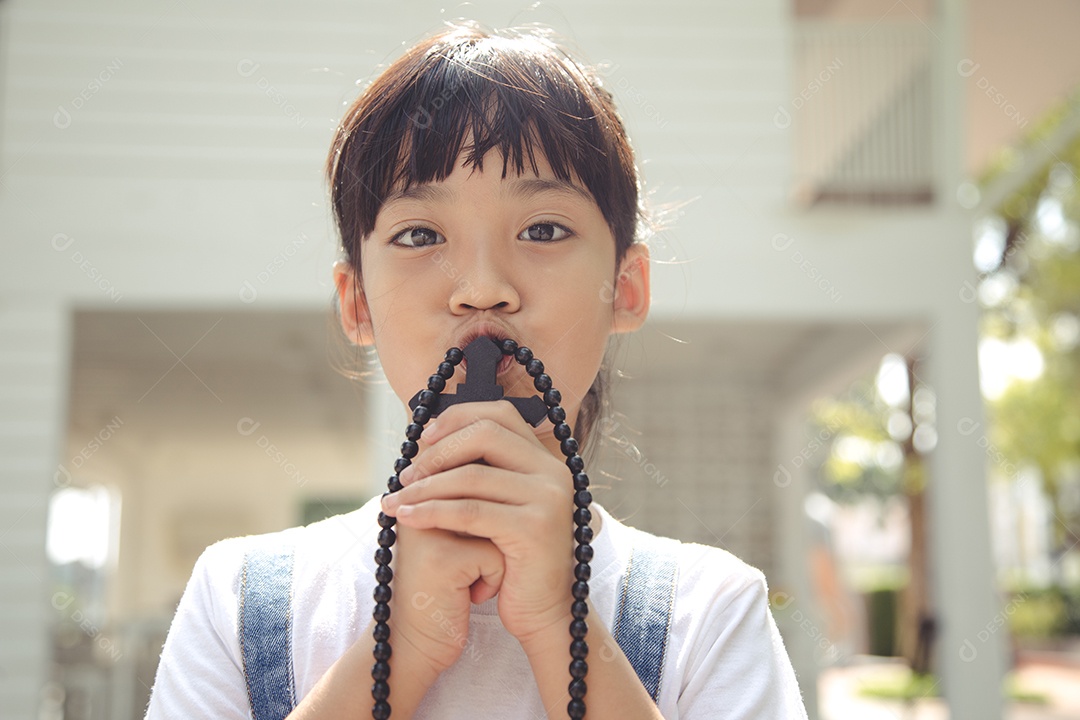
point(725, 658)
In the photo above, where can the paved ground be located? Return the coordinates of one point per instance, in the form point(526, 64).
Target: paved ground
point(839, 700)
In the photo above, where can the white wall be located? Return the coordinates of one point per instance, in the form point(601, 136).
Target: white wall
point(34, 342)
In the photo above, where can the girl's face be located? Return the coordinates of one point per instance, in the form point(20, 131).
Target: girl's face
point(528, 257)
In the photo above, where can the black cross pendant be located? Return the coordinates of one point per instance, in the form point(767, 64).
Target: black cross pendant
point(483, 356)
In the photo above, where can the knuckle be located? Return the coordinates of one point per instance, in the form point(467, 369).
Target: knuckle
point(555, 495)
point(470, 512)
point(472, 474)
point(487, 426)
point(534, 521)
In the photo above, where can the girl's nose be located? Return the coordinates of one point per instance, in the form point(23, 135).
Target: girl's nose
point(483, 282)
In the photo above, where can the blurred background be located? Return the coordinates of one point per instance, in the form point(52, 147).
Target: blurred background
point(861, 374)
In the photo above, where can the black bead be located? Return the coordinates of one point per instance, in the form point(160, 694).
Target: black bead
point(583, 553)
point(552, 397)
point(508, 347)
point(575, 463)
point(582, 498)
point(578, 669)
point(422, 413)
point(578, 629)
point(427, 398)
point(556, 414)
point(413, 431)
point(401, 463)
point(523, 355)
point(569, 447)
point(561, 431)
point(381, 633)
point(445, 371)
point(380, 671)
point(386, 521)
point(534, 367)
point(542, 382)
point(579, 609)
point(582, 571)
point(577, 689)
point(384, 574)
point(436, 383)
point(454, 355)
point(381, 710)
point(581, 481)
point(409, 448)
point(575, 709)
point(580, 590)
point(395, 484)
point(382, 651)
point(387, 537)
point(583, 534)
point(380, 690)
point(383, 556)
point(579, 650)
point(582, 516)
point(382, 593)
point(381, 612)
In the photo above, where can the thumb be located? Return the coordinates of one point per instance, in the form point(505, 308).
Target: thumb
point(487, 571)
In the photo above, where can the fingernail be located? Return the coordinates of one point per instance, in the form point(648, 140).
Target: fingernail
point(405, 510)
point(390, 501)
point(429, 431)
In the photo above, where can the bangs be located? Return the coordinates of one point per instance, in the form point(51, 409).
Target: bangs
point(454, 98)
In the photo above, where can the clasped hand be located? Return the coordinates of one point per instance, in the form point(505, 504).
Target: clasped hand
point(485, 509)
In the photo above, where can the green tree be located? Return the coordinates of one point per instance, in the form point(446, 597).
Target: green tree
point(1029, 249)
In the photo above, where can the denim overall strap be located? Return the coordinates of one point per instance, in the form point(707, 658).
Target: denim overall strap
point(644, 615)
point(265, 630)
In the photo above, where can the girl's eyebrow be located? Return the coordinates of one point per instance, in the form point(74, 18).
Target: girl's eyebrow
point(525, 187)
point(519, 188)
point(425, 192)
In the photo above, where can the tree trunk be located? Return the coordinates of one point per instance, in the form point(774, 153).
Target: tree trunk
point(915, 626)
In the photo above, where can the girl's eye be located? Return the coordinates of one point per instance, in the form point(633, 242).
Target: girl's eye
point(418, 237)
point(544, 232)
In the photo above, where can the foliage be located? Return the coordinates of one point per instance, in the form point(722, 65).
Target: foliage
point(1040, 615)
point(863, 459)
point(1034, 295)
point(907, 686)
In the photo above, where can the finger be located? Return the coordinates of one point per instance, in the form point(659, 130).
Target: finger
point(458, 416)
point(508, 526)
point(484, 439)
point(475, 560)
point(491, 569)
point(472, 480)
point(484, 589)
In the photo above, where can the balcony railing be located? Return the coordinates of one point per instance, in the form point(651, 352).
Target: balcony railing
point(861, 112)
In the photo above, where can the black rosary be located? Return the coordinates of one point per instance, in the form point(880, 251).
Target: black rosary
point(484, 354)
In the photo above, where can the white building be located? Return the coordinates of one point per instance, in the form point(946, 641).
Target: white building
point(164, 304)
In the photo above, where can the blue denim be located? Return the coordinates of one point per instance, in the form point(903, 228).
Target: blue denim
point(641, 624)
point(643, 620)
point(265, 631)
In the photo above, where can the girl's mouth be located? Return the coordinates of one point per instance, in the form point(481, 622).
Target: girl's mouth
point(504, 364)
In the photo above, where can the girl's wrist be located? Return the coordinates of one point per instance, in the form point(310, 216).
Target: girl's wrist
point(553, 638)
point(410, 657)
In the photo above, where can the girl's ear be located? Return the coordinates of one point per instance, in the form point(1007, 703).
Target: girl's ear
point(352, 306)
point(630, 300)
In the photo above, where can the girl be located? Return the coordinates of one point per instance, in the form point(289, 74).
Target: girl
point(483, 187)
